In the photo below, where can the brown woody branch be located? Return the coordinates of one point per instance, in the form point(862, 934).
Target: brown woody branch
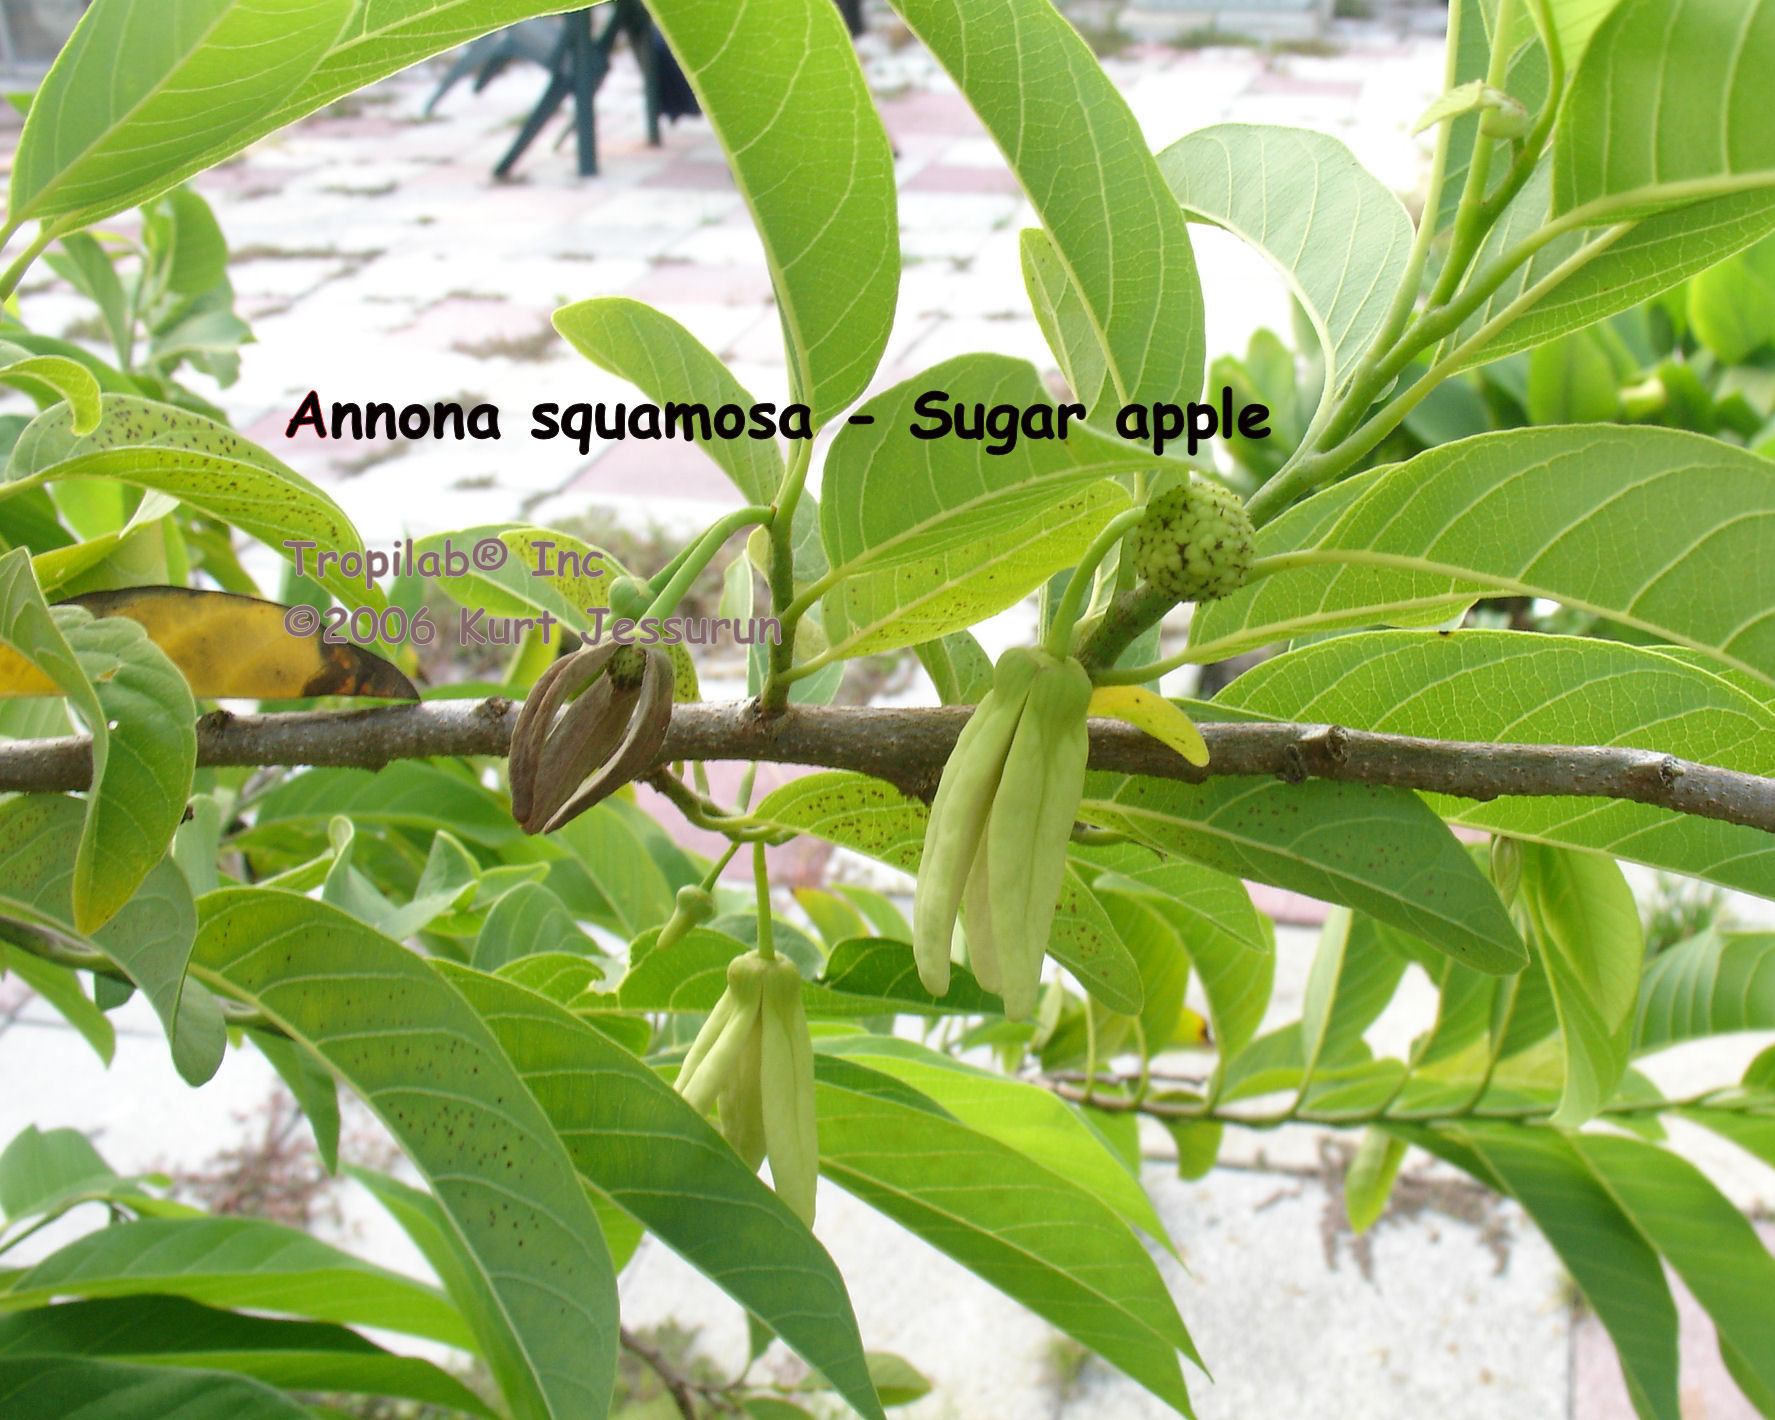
point(680, 1387)
point(908, 747)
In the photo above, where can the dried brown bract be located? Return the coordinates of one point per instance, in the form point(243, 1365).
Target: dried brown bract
point(565, 761)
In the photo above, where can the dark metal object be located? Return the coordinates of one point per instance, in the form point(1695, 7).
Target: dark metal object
point(578, 66)
point(533, 41)
point(576, 52)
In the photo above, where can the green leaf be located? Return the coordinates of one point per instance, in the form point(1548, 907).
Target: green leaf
point(1281, 608)
point(148, 769)
point(150, 937)
point(1088, 177)
point(629, 1134)
point(960, 669)
point(614, 857)
point(1571, 380)
point(1758, 1394)
point(855, 811)
point(832, 917)
point(1580, 277)
point(529, 920)
point(65, 379)
point(1028, 1118)
point(1536, 512)
point(1731, 307)
point(927, 536)
point(1602, 1248)
point(516, 587)
point(688, 975)
point(1231, 945)
point(1574, 22)
point(897, 1380)
point(1067, 325)
point(1760, 1073)
point(313, 1087)
point(666, 362)
point(1712, 984)
point(1369, 1181)
point(37, 1166)
point(1665, 108)
point(1334, 230)
point(205, 465)
point(1377, 850)
point(1198, 1146)
point(1487, 686)
point(768, 1407)
point(1591, 946)
point(1268, 1065)
point(174, 1332)
point(1353, 977)
point(450, 876)
point(452, 1099)
point(407, 794)
point(1029, 1232)
point(1710, 1244)
point(237, 1262)
point(87, 266)
point(183, 226)
point(61, 988)
point(57, 1387)
point(1754, 1133)
point(447, 1254)
point(137, 99)
point(382, 41)
point(1163, 962)
point(869, 975)
point(807, 149)
point(883, 917)
point(27, 627)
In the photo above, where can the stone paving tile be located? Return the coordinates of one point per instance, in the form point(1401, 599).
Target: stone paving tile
point(373, 219)
point(1448, 1319)
point(737, 284)
point(962, 177)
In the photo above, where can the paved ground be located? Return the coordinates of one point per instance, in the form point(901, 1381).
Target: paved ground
point(377, 260)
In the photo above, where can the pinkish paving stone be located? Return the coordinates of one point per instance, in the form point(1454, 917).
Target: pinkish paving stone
point(650, 468)
point(914, 148)
point(1707, 1392)
point(356, 128)
point(238, 179)
point(485, 329)
point(929, 113)
point(671, 283)
point(761, 343)
point(798, 864)
point(1268, 83)
point(1289, 908)
point(943, 177)
point(691, 176)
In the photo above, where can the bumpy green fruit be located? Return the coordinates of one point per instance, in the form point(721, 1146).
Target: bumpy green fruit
point(1195, 542)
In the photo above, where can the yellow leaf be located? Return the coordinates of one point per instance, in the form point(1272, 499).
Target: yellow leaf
point(229, 647)
point(1154, 714)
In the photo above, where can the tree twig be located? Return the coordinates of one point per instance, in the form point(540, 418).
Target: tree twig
point(679, 1386)
point(907, 748)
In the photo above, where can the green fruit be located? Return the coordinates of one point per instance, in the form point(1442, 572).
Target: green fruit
point(1195, 542)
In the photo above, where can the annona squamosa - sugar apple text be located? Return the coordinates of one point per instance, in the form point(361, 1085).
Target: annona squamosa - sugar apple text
point(1195, 542)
